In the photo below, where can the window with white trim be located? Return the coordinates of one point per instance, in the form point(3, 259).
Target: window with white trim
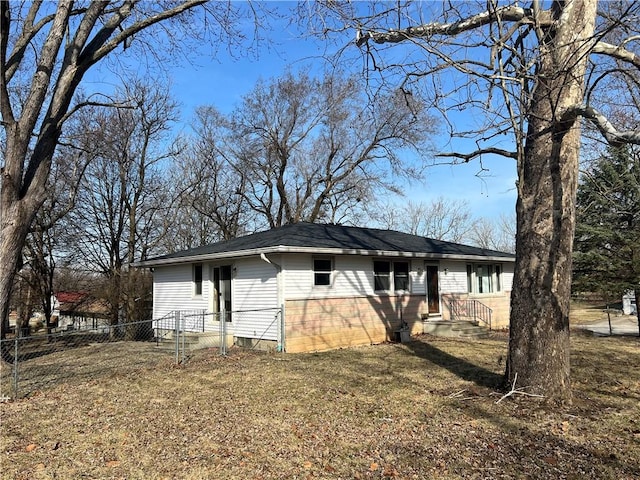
point(322, 270)
point(197, 279)
point(484, 278)
point(401, 276)
point(387, 274)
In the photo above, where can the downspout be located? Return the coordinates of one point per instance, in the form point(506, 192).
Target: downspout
point(280, 288)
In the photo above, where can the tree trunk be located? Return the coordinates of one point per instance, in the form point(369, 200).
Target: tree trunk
point(13, 233)
point(548, 174)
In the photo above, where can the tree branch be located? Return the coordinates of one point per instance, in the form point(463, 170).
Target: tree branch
point(467, 157)
point(509, 13)
point(618, 51)
point(89, 103)
point(614, 137)
point(5, 21)
point(99, 47)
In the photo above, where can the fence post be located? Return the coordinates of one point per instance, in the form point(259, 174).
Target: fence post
point(15, 366)
point(223, 333)
point(282, 329)
point(183, 339)
point(176, 334)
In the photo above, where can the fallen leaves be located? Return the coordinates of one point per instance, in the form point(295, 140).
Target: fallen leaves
point(368, 413)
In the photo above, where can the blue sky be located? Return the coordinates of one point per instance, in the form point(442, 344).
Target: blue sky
point(222, 83)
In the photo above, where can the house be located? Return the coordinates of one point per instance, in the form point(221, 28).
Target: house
point(73, 310)
point(629, 306)
point(330, 286)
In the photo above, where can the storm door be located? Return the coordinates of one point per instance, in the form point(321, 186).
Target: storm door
point(433, 289)
point(222, 292)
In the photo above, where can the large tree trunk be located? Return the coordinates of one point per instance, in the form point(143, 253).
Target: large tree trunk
point(548, 173)
point(11, 237)
point(15, 218)
point(18, 207)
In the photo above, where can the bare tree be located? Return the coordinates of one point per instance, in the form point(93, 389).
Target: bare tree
point(208, 190)
point(307, 149)
point(48, 232)
point(45, 51)
point(441, 218)
point(525, 78)
point(118, 206)
point(494, 234)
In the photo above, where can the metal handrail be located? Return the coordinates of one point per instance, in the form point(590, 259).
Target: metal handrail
point(166, 324)
point(471, 308)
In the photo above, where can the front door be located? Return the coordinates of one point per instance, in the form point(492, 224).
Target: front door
point(433, 289)
point(222, 292)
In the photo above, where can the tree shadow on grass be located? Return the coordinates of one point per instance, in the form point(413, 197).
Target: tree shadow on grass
point(458, 366)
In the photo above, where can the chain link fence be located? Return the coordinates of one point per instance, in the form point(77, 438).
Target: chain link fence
point(33, 363)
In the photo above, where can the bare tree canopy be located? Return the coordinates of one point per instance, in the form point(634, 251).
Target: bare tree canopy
point(45, 51)
point(441, 218)
point(526, 78)
point(300, 148)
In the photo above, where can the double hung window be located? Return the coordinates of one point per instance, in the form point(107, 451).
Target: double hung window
point(322, 269)
point(387, 274)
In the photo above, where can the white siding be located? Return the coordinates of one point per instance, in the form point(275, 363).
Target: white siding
point(507, 276)
point(255, 299)
point(254, 285)
point(352, 277)
point(349, 277)
point(173, 290)
point(455, 278)
point(418, 277)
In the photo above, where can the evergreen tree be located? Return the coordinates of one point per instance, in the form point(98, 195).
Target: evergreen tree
point(607, 250)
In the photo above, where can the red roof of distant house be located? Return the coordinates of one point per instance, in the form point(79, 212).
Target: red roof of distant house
point(71, 297)
point(81, 303)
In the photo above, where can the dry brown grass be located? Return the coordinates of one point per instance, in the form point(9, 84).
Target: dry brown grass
point(421, 410)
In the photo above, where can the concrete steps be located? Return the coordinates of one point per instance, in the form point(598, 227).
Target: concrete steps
point(457, 328)
point(194, 340)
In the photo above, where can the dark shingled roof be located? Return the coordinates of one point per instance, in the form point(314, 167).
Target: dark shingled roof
point(339, 237)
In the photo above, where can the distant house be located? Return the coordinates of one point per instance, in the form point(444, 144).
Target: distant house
point(331, 286)
point(629, 306)
point(77, 310)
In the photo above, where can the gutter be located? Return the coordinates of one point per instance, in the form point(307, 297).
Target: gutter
point(279, 249)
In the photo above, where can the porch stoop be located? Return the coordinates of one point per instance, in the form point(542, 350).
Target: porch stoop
point(457, 328)
point(194, 340)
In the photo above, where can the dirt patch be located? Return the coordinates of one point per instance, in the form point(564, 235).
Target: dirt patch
point(425, 409)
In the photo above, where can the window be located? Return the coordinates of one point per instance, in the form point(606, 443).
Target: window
point(484, 278)
point(400, 276)
point(322, 268)
point(197, 279)
point(383, 274)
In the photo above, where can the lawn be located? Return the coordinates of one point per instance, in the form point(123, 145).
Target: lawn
point(426, 409)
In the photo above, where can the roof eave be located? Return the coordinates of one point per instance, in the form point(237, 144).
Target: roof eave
point(316, 251)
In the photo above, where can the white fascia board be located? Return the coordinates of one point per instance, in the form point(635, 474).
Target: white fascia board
point(205, 257)
point(316, 251)
point(385, 253)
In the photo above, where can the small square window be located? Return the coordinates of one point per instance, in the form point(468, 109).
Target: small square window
point(322, 268)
